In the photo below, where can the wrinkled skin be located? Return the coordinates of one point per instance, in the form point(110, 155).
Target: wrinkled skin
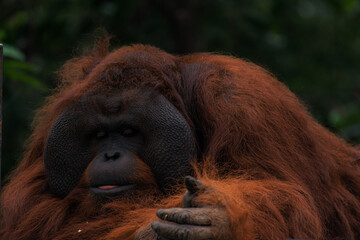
point(191, 222)
point(115, 142)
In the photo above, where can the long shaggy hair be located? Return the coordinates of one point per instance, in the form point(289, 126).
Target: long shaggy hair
point(278, 173)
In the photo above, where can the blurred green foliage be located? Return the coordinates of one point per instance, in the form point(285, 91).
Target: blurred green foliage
point(16, 69)
point(313, 46)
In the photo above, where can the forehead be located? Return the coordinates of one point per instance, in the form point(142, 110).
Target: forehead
point(113, 102)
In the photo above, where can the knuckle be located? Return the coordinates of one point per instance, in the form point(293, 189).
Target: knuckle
point(184, 217)
point(183, 233)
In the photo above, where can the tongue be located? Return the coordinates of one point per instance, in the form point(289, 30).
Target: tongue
point(108, 187)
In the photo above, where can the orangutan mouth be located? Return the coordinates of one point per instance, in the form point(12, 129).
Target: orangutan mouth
point(111, 189)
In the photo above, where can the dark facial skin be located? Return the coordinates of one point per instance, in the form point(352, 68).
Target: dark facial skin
point(110, 173)
point(111, 136)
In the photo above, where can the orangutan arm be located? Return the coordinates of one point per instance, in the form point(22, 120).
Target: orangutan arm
point(240, 209)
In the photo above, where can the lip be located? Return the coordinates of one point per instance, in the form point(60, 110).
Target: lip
point(111, 189)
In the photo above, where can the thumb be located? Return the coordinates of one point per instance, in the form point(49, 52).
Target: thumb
point(192, 184)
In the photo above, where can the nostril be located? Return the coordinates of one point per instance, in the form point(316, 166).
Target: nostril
point(112, 155)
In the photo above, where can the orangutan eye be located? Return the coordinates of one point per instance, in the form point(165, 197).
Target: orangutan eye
point(128, 132)
point(100, 134)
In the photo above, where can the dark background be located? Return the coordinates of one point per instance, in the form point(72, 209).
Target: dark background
point(313, 46)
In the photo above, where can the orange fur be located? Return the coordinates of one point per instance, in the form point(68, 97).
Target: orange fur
point(278, 173)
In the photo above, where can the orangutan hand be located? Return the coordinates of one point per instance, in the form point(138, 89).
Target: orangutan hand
point(193, 222)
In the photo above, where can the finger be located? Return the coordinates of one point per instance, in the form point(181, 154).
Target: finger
point(181, 232)
point(192, 216)
point(188, 200)
point(192, 184)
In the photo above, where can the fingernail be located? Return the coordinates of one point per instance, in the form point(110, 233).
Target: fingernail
point(160, 213)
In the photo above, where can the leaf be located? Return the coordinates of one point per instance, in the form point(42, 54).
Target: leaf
point(23, 77)
point(21, 71)
point(12, 52)
point(14, 64)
